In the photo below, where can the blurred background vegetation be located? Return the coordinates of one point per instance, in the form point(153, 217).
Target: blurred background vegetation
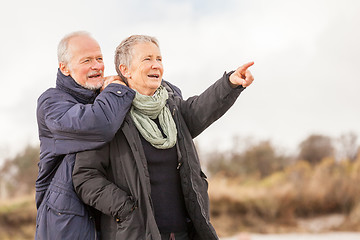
point(254, 187)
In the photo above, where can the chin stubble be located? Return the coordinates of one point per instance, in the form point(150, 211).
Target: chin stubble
point(94, 87)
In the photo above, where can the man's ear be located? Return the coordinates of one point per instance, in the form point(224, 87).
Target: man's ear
point(124, 71)
point(64, 69)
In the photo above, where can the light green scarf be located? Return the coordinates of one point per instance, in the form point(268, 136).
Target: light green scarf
point(144, 109)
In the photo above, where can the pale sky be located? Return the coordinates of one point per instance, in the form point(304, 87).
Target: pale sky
point(306, 54)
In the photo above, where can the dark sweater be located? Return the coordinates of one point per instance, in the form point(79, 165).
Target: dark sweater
point(166, 192)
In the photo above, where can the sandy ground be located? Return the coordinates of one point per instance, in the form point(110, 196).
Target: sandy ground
point(297, 236)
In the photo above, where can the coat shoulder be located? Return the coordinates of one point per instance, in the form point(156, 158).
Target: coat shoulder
point(172, 88)
point(53, 95)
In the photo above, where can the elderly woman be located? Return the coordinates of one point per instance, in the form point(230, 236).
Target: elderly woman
point(147, 182)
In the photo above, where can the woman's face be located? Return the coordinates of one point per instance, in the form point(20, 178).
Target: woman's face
point(146, 69)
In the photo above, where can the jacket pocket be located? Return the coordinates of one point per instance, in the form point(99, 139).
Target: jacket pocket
point(63, 216)
point(129, 206)
point(63, 203)
point(132, 227)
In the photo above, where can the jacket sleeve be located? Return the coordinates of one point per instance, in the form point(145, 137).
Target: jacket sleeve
point(77, 127)
point(93, 188)
point(201, 111)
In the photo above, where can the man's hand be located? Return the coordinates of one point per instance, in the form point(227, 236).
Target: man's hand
point(242, 76)
point(112, 79)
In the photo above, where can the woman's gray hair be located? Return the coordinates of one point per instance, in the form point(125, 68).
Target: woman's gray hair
point(64, 55)
point(123, 52)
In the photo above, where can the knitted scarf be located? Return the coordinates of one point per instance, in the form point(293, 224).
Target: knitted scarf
point(144, 109)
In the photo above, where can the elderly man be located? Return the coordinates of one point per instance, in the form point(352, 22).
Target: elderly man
point(148, 181)
point(74, 116)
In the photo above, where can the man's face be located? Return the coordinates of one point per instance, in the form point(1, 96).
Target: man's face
point(86, 65)
point(146, 68)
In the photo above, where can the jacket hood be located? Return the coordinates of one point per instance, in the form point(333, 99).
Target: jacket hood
point(68, 84)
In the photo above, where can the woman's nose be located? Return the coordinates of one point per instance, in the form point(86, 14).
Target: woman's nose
point(156, 65)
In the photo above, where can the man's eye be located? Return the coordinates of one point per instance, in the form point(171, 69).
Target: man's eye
point(159, 59)
point(100, 59)
point(86, 61)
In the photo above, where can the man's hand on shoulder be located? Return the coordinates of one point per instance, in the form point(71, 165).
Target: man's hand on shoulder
point(112, 79)
point(242, 76)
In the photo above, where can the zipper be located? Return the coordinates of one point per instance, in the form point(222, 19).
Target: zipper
point(93, 221)
point(177, 145)
point(191, 181)
point(179, 165)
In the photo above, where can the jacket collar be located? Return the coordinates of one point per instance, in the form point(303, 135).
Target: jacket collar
point(68, 84)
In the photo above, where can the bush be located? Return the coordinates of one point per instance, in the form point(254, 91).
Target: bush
point(258, 160)
point(18, 174)
point(315, 148)
point(300, 190)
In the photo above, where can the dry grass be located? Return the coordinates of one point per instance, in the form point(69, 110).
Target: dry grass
point(269, 205)
point(17, 218)
point(275, 203)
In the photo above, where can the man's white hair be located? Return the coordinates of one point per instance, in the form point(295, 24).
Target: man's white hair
point(64, 55)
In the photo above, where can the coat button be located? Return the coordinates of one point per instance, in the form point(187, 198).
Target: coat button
point(119, 92)
point(117, 220)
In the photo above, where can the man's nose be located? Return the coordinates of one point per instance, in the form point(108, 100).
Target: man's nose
point(97, 65)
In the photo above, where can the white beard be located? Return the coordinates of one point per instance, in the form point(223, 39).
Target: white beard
point(94, 87)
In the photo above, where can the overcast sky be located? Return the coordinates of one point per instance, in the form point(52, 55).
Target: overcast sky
point(306, 54)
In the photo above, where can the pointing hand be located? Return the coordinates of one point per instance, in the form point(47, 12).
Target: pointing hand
point(242, 76)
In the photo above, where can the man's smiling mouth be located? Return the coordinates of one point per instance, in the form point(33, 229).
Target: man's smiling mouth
point(95, 76)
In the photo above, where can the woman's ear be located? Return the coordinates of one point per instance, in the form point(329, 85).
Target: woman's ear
point(64, 69)
point(124, 71)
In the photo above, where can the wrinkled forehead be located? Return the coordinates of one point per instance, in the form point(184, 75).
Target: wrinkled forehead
point(143, 49)
point(83, 47)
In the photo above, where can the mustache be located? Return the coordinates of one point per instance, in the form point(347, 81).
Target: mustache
point(94, 73)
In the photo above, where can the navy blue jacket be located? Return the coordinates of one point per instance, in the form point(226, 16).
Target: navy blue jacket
point(72, 119)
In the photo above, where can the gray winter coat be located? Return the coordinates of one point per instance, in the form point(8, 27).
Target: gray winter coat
point(115, 178)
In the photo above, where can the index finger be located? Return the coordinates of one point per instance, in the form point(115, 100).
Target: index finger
point(244, 67)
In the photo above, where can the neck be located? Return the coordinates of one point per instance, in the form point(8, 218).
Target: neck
point(146, 93)
point(143, 91)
